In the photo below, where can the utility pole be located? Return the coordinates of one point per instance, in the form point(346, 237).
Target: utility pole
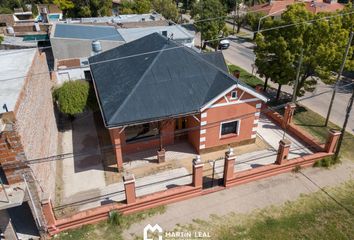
point(235, 15)
point(202, 26)
point(340, 72)
point(347, 114)
point(297, 76)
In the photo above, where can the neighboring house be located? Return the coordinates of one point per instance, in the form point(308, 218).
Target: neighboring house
point(128, 20)
point(49, 13)
point(175, 32)
point(276, 8)
point(72, 44)
point(160, 92)
point(75, 40)
point(28, 131)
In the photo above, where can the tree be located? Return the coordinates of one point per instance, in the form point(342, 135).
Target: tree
point(215, 12)
point(136, 7)
point(64, 5)
point(1, 39)
point(323, 43)
point(167, 8)
point(90, 8)
point(72, 97)
point(252, 20)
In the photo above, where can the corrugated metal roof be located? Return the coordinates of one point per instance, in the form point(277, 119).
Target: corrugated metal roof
point(169, 80)
point(90, 32)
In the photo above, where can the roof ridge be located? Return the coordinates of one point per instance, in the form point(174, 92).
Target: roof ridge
point(140, 80)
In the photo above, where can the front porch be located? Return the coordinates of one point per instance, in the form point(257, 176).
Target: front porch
point(155, 142)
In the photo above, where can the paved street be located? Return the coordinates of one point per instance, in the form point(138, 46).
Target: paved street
point(241, 54)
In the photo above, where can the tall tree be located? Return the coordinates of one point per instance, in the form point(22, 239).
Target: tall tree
point(213, 12)
point(167, 8)
point(323, 43)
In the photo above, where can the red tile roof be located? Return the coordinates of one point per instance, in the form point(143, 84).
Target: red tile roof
point(275, 7)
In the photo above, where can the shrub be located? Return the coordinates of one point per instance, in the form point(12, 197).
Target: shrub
point(115, 218)
point(72, 97)
point(327, 161)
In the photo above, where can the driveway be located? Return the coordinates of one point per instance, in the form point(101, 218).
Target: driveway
point(241, 54)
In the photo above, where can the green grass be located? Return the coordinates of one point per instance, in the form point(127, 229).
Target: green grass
point(314, 216)
point(313, 123)
point(111, 229)
point(245, 76)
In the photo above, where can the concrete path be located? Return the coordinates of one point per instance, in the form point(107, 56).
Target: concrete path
point(272, 134)
point(82, 172)
point(246, 198)
point(144, 186)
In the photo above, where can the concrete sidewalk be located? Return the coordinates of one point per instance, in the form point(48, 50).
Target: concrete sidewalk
point(246, 198)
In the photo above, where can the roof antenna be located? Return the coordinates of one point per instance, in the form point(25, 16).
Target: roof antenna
point(171, 36)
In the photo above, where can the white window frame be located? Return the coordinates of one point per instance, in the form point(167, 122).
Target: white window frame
point(238, 127)
point(233, 98)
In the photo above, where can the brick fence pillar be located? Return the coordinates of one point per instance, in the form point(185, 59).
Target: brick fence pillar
point(288, 114)
point(118, 139)
point(283, 151)
point(197, 172)
point(332, 140)
point(129, 186)
point(229, 166)
point(48, 213)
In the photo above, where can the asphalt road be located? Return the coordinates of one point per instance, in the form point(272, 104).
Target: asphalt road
point(240, 53)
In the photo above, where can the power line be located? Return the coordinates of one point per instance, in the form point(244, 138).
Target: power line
point(210, 125)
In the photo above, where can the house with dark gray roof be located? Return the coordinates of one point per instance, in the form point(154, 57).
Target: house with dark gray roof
point(153, 92)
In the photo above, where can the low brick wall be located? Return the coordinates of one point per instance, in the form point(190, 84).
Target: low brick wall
point(274, 169)
point(297, 132)
point(101, 213)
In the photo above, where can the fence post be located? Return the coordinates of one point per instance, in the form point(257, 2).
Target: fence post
point(332, 140)
point(288, 114)
point(283, 151)
point(48, 213)
point(197, 172)
point(129, 186)
point(229, 166)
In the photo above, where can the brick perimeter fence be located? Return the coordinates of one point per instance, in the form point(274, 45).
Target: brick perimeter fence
point(282, 165)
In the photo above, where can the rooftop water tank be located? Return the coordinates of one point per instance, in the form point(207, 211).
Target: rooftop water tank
point(96, 47)
point(10, 30)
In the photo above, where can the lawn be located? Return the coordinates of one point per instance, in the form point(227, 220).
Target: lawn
point(106, 230)
point(314, 124)
point(314, 216)
point(246, 76)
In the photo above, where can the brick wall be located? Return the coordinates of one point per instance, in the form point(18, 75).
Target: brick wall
point(36, 122)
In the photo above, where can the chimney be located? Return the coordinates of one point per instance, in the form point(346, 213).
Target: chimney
point(96, 47)
point(164, 33)
point(237, 74)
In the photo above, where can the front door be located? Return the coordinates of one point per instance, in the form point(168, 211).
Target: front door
point(181, 131)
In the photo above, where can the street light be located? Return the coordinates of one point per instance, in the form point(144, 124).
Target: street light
point(259, 26)
point(261, 18)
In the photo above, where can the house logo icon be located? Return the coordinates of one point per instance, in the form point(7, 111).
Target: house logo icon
point(152, 229)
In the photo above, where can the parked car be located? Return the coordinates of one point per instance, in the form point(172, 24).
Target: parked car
point(224, 44)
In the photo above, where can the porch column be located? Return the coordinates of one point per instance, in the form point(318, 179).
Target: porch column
point(288, 114)
point(332, 140)
point(229, 166)
point(283, 151)
point(129, 186)
point(118, 139)
point(197, 172)
point(167, 134)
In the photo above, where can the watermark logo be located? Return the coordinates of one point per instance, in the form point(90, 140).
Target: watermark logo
point(156, 233)
point(148, 228)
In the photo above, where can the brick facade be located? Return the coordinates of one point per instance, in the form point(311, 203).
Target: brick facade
point(36, 124)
